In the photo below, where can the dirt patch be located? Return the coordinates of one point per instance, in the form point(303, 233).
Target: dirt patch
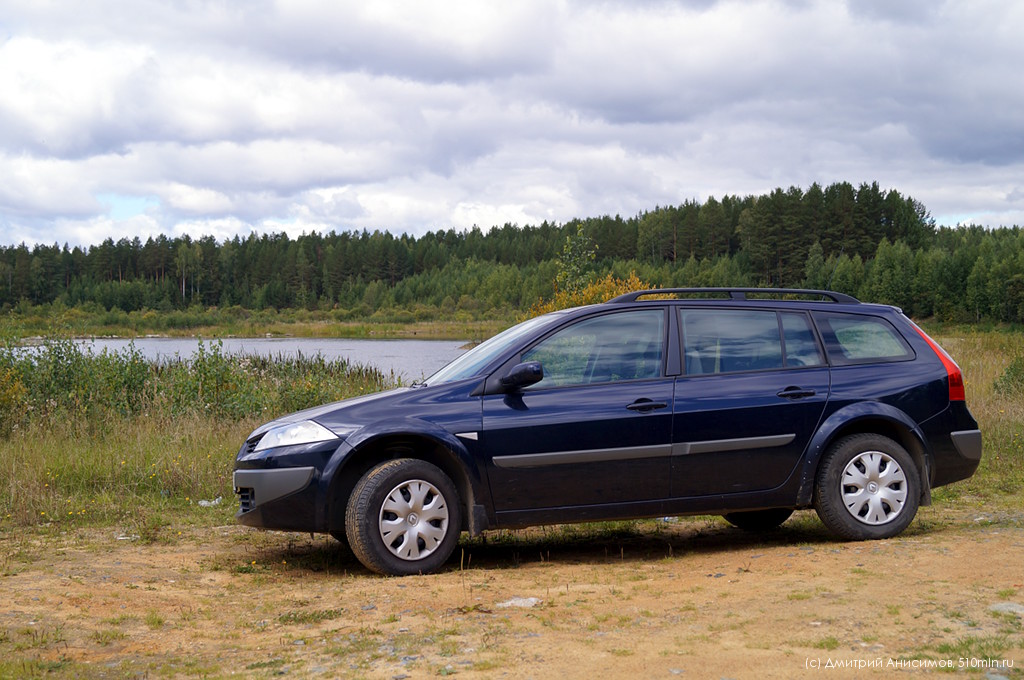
point(683, 598)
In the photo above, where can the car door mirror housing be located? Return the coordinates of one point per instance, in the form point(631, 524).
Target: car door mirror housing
point(523, 375)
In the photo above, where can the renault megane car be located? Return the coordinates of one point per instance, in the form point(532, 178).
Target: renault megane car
point(748, 403)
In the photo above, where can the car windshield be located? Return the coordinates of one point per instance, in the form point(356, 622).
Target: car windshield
point(476, 359)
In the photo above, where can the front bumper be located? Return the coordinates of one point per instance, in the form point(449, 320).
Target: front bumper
point(279, 498)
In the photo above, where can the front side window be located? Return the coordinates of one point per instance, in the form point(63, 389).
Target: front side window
point(858, 338)
point(728, 341)
point(609, 348)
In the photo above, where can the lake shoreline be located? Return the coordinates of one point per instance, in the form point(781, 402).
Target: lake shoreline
point(409, 358)
point(468, 331)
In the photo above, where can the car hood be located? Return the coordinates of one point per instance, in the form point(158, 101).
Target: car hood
point(333, 415)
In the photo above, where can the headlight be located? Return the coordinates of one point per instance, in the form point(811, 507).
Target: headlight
point(304, 432)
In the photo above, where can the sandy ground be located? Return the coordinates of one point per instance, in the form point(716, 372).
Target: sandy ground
point(690, 598)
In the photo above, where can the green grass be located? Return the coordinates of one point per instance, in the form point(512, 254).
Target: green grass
point(111, 439)
point(314, 616)
point(38, 668)
point(154, 620)
point(830, 643)
point(977, 647)
point(38, 637)
point(107, 637)
point(66, 475)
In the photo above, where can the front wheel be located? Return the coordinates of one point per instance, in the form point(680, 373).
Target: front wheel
point(868, 487)
point(403, 517)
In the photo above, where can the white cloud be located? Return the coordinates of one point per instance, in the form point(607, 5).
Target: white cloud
point(229, 117)
point(65, 98)
point(197, 200)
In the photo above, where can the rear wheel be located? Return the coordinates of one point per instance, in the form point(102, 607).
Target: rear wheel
point(758, 520)
point(868, 487)
point(403, 518)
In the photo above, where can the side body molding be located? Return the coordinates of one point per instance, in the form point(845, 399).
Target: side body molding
point(634, 452)
point(737, 444)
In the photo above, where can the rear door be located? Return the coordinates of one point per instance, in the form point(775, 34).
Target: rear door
point(755, 386)
point(596, 430)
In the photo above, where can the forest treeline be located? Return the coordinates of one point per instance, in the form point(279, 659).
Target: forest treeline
point(878, 245)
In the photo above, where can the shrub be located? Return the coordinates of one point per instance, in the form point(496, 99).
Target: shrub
point(122, 378)
point(601, 290)
point(13, 400)
point(1011, 382)
point(212, 383)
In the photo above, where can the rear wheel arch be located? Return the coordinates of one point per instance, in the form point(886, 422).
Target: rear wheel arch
point(892, 428)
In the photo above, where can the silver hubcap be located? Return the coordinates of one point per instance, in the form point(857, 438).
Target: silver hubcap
point(874, 488)
point(413, 520)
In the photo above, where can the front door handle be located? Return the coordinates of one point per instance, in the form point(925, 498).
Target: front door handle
point(795, 393)
point(643, 405)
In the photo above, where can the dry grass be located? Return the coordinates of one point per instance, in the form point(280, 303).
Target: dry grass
point(984, 357)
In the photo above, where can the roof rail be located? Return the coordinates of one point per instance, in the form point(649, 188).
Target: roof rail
point(735, 293)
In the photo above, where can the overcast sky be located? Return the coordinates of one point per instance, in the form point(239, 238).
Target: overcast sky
point(137, 117)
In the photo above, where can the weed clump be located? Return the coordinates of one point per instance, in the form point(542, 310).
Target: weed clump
point(13, 397)
point(1011, 382)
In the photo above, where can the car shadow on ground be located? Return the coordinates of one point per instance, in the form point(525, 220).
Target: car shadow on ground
point(623, 542)
point(637, 541)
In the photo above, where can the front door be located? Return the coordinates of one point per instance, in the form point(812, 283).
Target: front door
point(597, 429)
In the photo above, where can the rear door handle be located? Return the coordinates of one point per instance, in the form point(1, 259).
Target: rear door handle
point(643, 405)
point(795, 393)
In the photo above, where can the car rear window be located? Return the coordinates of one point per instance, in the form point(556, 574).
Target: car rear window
point(859, 338)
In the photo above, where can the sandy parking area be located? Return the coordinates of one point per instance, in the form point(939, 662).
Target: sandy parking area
point(690, 598)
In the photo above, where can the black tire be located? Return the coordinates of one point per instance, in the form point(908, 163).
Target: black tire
point(758, 520)
point(403, 518)
point(868, 487)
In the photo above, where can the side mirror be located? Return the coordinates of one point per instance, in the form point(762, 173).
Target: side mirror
point(522, 375)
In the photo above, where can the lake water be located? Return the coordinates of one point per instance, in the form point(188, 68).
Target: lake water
point(408, 359)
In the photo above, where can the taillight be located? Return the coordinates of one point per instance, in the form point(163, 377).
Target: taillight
point(956, 378)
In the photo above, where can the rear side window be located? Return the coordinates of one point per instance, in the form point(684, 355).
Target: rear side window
point(801, 346)
point(858, 339)
point(727, 341)
point(735, 340)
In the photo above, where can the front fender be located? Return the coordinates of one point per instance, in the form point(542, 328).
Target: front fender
point(467, 475)
point(850, 419)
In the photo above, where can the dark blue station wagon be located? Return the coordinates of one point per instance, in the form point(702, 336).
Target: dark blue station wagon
point(665, 402)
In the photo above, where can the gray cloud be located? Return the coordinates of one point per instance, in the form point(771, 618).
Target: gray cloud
point(228, 117)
